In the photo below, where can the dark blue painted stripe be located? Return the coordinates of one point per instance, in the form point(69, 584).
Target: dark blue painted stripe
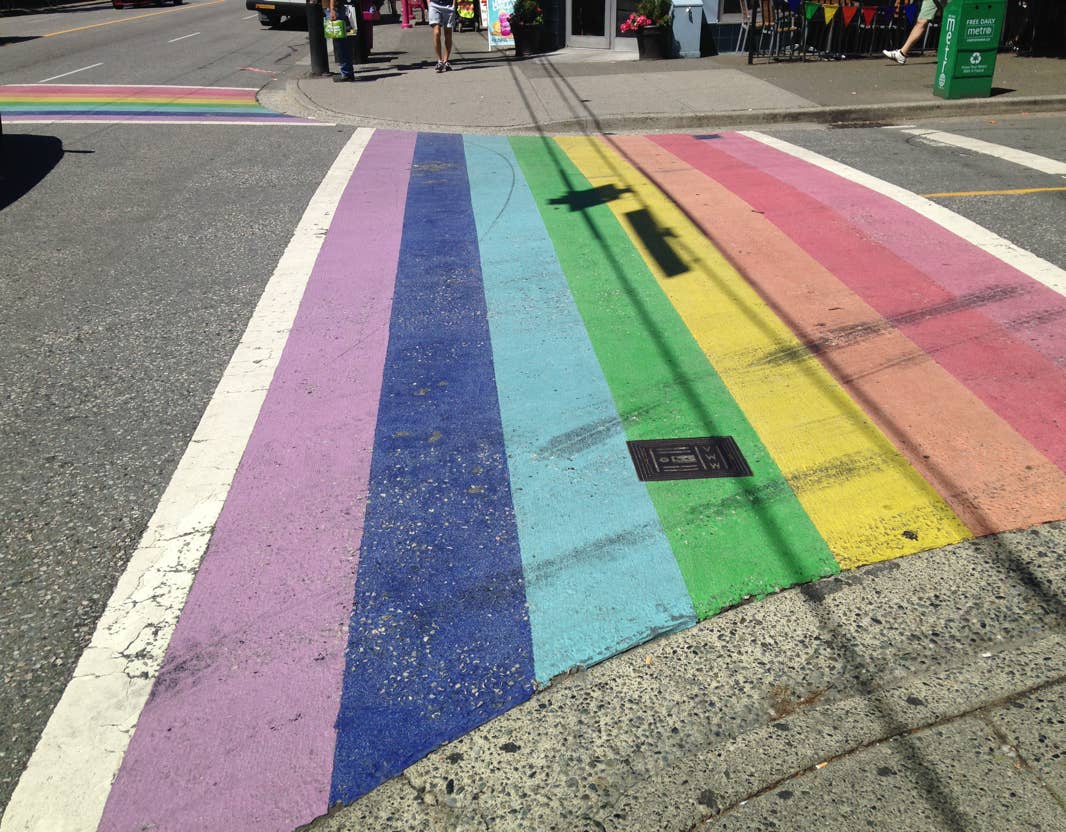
point(439, 640)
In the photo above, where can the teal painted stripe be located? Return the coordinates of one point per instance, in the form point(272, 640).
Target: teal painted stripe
point(600, 574)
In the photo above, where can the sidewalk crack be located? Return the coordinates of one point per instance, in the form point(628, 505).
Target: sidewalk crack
point(986, 716)
point(978, 711)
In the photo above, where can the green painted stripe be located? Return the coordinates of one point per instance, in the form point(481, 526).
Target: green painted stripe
point(732, 538)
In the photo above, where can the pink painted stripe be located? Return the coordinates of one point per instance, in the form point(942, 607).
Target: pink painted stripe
point(239, 731)
point(1021, 385)
point(1032, 312)
point(45, 90)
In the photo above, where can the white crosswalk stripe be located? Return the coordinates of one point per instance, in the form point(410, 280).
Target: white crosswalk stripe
point(1007, 154)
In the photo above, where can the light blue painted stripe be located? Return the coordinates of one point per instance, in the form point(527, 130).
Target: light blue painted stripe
point(600, 575)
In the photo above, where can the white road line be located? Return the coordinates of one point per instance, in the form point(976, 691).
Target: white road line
point(250, 16)
point(1007, 154)
point(72, 72)
point(1026, 262)
point(66, 784)
point(175, 40)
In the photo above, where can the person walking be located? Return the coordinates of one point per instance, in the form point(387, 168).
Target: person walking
point(925, 14)
point(342, 50)
point(442, 16)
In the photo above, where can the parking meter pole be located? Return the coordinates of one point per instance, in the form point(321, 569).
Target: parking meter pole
point(969, 40)
point(316, 39)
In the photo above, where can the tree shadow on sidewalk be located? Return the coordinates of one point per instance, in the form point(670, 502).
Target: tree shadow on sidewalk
point(384, 65)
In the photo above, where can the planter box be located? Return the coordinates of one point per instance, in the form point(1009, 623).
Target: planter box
point(651, 43)
point(526, 39)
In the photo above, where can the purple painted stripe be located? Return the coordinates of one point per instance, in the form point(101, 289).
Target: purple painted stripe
point(239, 731)
point(1030, 311)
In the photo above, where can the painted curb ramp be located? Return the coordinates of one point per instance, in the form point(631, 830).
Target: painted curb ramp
point(137, 104)
point(435, 511)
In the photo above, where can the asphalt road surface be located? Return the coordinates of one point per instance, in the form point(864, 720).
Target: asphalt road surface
point(209, 42)
point(1023, 204)
point(133, 258)
point(135, 254)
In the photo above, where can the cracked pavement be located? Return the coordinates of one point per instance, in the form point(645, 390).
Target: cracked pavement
point(869, 697)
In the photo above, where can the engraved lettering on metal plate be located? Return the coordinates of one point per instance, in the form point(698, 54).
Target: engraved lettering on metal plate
point(688, 459)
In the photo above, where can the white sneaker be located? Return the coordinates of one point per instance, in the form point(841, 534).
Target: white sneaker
point(895, 55)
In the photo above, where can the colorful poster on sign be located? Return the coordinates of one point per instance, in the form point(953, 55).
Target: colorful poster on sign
point(499, 29)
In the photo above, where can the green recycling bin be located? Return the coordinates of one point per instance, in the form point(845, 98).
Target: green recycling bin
point(969, 40)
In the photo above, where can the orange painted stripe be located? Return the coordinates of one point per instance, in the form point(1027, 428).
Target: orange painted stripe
point(989, 475)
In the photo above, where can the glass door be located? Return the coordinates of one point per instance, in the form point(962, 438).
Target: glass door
point(589, 23)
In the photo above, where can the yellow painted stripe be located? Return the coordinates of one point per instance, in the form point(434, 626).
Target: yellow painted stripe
point(994, 193)
point(135, 17)
point(861, 494)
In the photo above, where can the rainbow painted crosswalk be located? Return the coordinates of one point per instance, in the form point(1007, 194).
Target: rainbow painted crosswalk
point(46, 103)
point(436, 512)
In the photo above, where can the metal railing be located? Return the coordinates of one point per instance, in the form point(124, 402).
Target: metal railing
point(784, 30)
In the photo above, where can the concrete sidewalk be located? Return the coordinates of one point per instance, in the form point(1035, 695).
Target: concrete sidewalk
point(925, 693)
point(588, 90)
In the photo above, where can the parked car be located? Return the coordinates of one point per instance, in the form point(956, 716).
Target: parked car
point(270, 14)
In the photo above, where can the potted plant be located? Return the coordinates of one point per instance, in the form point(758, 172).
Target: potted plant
point(651, 25)
point(526, 20)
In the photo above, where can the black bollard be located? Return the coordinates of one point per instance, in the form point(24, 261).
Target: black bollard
point(316, 39)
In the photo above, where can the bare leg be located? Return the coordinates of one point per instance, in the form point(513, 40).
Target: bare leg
point(436, 40)
point(914, 36)
point(447, 44)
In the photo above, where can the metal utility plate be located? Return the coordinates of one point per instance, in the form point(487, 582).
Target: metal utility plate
point(688, 459)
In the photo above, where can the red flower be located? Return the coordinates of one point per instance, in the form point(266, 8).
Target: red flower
point(636, 22)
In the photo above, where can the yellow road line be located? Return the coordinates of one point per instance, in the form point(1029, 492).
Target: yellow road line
point(994, 193)
point(864, 498)
point(136, 17)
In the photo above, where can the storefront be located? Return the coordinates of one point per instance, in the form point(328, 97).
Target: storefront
point(1033, 26)
point(594, 23)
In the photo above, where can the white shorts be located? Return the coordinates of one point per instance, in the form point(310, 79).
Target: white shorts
point(927, 11)
point(441, 16)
